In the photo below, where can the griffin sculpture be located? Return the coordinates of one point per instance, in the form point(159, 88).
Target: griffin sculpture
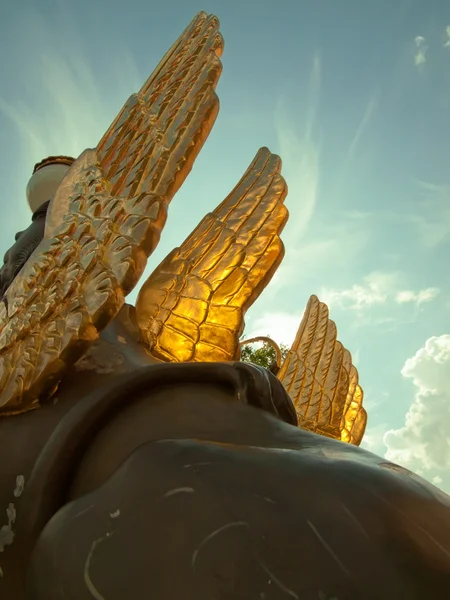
point(164, 464)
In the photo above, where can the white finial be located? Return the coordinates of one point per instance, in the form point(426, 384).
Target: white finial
point(47, 175)
point(44, 183)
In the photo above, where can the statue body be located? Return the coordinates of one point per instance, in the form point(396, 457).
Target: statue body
point(198, 469)
point(142, 458)
point(25, 243)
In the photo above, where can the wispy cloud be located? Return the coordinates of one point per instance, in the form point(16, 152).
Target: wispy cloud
point(317, 257)
point(432, 218)
point(60, 101)
point(367, 116)
point(64, 106)
point(420, 57)
point(301, 152)
point(317, 241)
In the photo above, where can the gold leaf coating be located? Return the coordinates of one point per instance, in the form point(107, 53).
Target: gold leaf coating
point(319, 376)
point(192, 307)
point(106, 219)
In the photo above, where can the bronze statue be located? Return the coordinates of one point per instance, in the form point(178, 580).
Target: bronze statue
point(155, 463)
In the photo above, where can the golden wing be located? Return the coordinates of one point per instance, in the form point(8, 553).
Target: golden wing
point(354, 416)
point(106, 219)
point(192, 306)
point(319, 376)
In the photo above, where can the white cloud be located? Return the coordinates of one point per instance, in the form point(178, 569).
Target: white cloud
point(417, 298)
point(423, 443)
point(280, 326)
point(354, 298)
point(377, 288)
point(420, 57)
point(373, 437)
point(447, 35)
point(374, 290)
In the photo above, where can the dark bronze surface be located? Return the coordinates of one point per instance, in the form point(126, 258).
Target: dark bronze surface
point(137, 473)
point(26, 242)
point(195, 519)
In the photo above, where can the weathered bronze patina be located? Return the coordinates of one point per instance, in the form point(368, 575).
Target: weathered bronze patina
point(156, 464)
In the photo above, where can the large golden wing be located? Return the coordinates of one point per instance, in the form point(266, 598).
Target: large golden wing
point(192, 306)
point(105, 220)
point(321, 380)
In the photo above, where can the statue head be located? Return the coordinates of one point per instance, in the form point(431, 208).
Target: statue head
point(46, 177)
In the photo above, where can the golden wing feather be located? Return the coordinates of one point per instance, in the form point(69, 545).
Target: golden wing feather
point(319, 376)
point(105, 220)
point(192, 306)
point(354, 416)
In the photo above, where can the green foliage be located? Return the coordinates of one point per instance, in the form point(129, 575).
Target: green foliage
point(262, 354)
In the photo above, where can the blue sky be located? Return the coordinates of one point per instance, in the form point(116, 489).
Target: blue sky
point(354, 96)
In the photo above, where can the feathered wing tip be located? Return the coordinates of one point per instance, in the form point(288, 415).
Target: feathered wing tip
point(322, 381)
point(192, 306)
point(106, 219)
point(151, 145)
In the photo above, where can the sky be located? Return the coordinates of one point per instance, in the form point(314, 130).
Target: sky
point(355, 98)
